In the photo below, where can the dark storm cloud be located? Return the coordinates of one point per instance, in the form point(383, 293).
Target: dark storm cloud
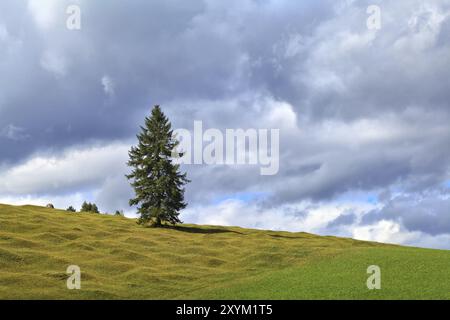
point(148, 50)
point(152, 52)
point(427, 213)
point(346, 218)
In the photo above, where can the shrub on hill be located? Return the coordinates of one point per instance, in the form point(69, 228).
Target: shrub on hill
point(89, 207)
point(119, 213)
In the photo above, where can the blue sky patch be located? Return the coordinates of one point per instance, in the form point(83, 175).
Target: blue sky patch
point(241, 196)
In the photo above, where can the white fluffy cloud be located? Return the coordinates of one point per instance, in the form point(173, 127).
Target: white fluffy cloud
point(388, 231)
point(46, 12)
point(302, 216)
point(74, 168)
point(81, 173)
point(59, 201)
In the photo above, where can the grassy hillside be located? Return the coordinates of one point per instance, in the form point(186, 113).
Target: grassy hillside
point(120, 259)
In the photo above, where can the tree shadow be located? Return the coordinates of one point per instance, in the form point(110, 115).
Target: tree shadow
point(286, 237)
point(204, 230)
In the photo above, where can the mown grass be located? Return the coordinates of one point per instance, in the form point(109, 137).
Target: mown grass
point(121, 260)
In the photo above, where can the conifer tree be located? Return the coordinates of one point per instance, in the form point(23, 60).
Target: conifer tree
point(156, 180)
point(85, 207)
point(89, 207)
point(94, 208)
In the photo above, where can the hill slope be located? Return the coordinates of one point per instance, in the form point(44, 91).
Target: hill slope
point(119, 259)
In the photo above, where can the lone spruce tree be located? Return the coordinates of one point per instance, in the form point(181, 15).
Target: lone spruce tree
point(157, 182)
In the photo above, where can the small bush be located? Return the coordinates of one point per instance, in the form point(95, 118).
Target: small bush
point(119, 213)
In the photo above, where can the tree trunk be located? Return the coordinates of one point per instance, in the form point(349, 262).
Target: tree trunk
point(158, 222)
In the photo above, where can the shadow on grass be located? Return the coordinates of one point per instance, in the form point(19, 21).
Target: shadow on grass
point(204, 230)
point(286, 237)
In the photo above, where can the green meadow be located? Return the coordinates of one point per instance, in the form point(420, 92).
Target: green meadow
point(122, 260)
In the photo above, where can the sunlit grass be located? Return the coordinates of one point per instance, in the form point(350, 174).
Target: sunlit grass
point(122, 260)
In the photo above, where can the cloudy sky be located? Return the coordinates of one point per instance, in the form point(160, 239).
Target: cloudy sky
point(363, 112)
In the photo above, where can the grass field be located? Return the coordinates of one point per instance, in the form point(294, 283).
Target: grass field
point(121, 260)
